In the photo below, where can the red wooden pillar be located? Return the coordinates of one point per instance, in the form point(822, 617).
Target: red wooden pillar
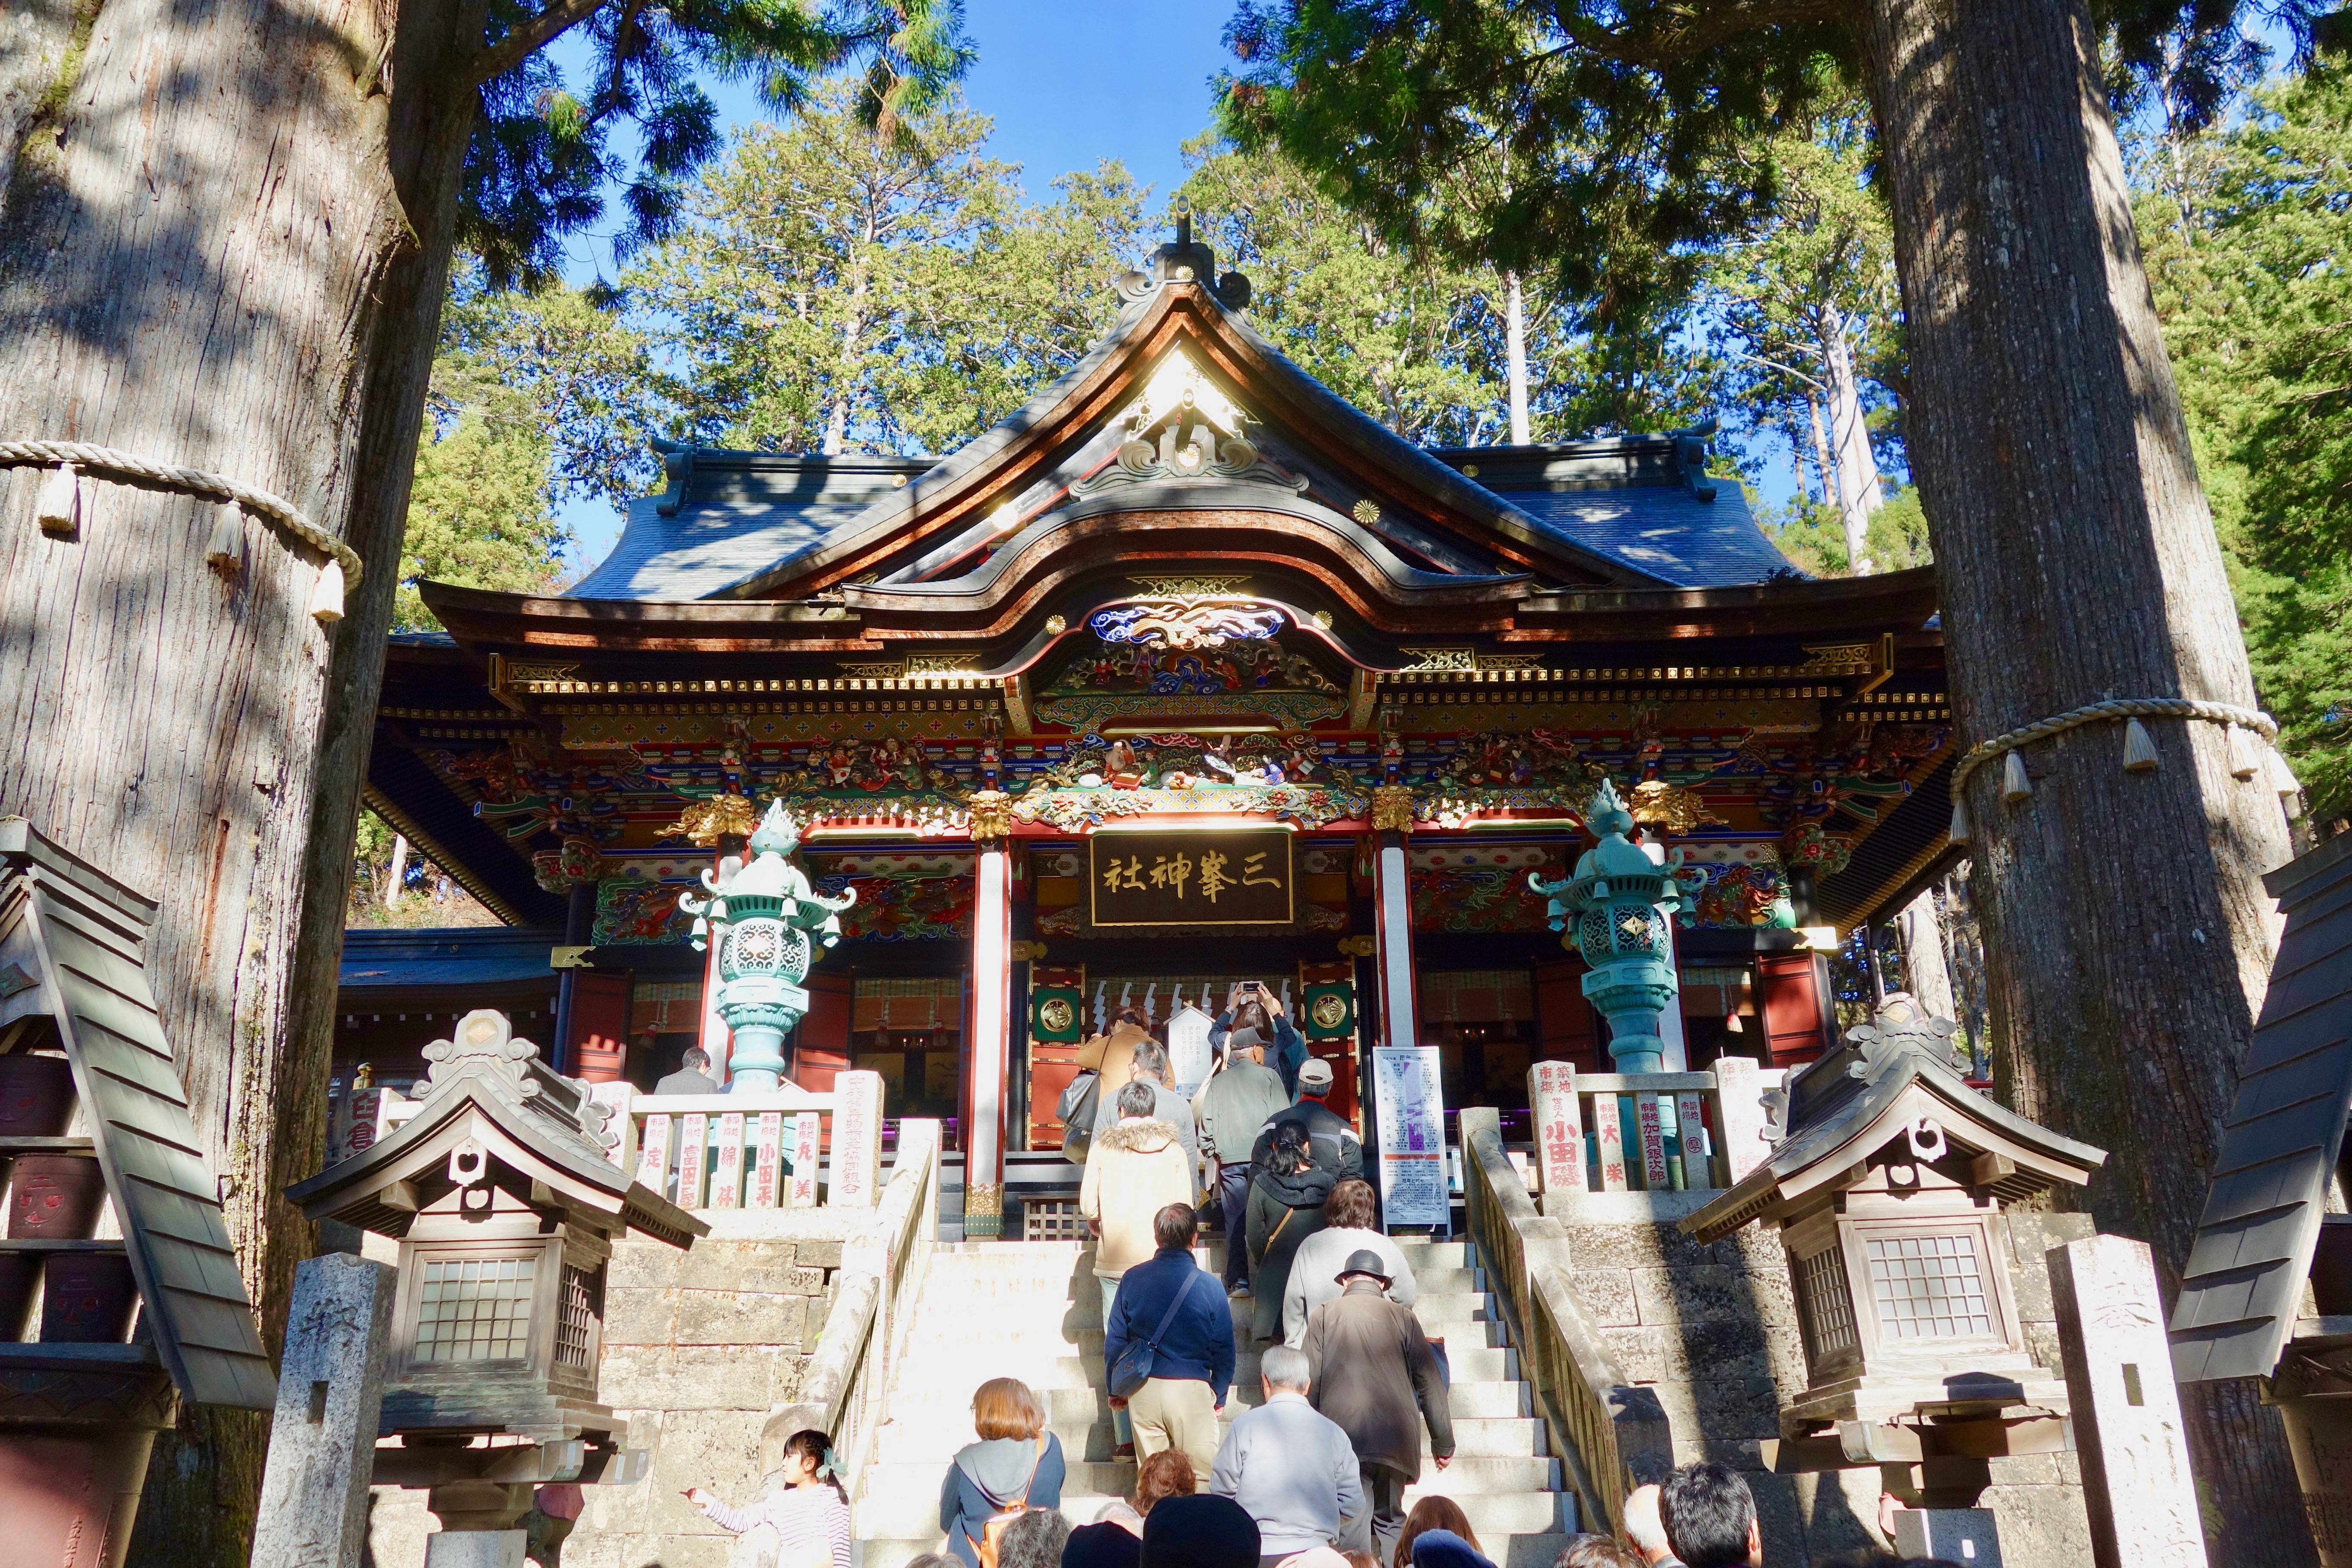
point(1793, 998)
point(821, 1048)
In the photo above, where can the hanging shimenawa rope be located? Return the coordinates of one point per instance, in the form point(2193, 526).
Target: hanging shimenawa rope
point(60, 510)
point(2246, 726)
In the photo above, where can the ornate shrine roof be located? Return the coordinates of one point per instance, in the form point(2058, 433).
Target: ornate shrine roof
point(1183, 578)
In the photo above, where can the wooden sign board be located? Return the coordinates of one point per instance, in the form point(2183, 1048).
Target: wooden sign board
point(1215, 876)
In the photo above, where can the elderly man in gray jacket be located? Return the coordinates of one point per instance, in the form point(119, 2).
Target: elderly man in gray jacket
point(1288, 1466)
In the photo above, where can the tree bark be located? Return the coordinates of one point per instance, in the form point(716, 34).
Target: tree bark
point(225, 244)
point(2127, 936)
point(1515, 355)
point(1858, 492)
point(396, 872)
point(1925, 974)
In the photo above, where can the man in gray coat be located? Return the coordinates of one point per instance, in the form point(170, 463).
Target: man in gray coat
point(1289, 1469)
point(1375, 1376)
point(1240, 1097)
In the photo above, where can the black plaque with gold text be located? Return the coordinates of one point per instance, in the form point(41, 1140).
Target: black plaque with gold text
point(1199, 877)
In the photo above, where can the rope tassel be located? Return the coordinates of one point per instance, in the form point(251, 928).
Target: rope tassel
point(2139, 749)
point(2282, 779)
point(2246, 752)
point(327, 598)
point(60, 507)
point(226, 553)
point(2014, 785)
point(1958, 833)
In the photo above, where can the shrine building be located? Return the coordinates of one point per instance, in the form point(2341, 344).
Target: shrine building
point(1187, 672)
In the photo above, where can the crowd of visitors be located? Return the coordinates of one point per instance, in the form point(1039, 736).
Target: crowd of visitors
point(1315, 1477)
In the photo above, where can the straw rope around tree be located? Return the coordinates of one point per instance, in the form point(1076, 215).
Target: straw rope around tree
point(2245, 725)
point(60, 508)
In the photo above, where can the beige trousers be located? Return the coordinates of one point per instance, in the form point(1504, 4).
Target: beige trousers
point(1176, 1413)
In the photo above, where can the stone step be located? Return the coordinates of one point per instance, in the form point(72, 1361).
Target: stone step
point(1417, 1253)
point(1077, 1409)
point(963, 1363)
point(902, 1500)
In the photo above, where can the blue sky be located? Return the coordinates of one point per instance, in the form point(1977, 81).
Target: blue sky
point(1067, 84)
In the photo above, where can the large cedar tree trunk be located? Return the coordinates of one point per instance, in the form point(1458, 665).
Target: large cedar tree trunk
point(2127, 934)
point(224, 243)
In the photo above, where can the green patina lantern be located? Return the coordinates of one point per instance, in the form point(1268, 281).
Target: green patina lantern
point(1619, 903)
point(769, 919)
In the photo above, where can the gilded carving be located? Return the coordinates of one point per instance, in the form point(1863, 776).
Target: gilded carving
point(1677, 809)
point(991, 814)
point(704, 822)
point(1393, 809)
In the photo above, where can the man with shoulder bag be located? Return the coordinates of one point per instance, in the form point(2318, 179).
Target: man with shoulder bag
point(1168, 1344)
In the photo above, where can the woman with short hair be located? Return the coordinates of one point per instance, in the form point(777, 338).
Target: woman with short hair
point(1114, 1540)
point(1350, 1225)
point(1016, 1460)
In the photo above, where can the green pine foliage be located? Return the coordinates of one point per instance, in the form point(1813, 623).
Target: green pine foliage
point(838, 289)
point(1417, 341)
point(2248, 233)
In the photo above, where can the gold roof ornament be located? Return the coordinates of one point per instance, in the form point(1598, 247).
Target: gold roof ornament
point(1677, 809)
point(705, 822)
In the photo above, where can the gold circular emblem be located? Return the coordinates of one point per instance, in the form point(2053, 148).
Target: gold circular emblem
point(1330, 1010)
point(1057, 1014)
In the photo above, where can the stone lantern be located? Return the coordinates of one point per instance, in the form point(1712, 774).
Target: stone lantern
point(505, 1202)
point(766, 914)
point(1888, 1186)
point(1620, 902)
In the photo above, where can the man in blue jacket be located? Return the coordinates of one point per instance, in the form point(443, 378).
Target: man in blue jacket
point(1193, 1357)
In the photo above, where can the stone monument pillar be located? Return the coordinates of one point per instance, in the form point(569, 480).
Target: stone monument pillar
point(314, 1493)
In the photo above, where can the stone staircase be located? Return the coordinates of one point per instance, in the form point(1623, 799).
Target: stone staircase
point(1031, 1310)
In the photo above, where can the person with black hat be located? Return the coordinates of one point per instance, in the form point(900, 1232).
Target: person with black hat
point(1331, 1137)
point(1375, 1376)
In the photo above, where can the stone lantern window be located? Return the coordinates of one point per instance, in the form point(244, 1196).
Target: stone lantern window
point(1887, 1185)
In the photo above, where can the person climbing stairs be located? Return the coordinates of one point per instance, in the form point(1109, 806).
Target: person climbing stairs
point(1031, 1310)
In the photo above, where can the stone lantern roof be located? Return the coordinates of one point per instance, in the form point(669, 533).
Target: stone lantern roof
point(1885, 1081)
point(542, 1138)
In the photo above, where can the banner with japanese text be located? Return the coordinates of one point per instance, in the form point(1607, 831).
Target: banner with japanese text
point(1411, 1110)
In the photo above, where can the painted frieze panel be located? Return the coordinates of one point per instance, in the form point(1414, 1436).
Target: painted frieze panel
point(1188, 659)
point(1478, 886)
point(1294, 778)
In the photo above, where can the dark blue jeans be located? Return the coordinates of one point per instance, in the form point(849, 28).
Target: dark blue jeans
point(1233, 1193)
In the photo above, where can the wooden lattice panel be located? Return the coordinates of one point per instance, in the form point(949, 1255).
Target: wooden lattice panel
point(1047, 1220)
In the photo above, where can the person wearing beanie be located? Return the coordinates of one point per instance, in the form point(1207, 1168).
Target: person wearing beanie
point(1200, 1532)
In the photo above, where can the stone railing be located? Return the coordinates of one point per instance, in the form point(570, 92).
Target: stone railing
point(1611, 1435)
point(710, 1152)
point(882, 1272)
point(1668, 1131)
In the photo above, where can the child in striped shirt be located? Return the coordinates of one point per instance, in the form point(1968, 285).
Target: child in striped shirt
point(807, 1511)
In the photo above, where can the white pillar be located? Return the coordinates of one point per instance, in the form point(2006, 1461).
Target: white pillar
point(991, 1029)
point(1393, 904)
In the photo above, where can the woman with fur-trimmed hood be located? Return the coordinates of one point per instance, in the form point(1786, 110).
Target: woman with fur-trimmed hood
point(1137, 1167)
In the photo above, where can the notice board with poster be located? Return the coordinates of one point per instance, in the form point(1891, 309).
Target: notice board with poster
point(1159, 878)
point(1410, 1114)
